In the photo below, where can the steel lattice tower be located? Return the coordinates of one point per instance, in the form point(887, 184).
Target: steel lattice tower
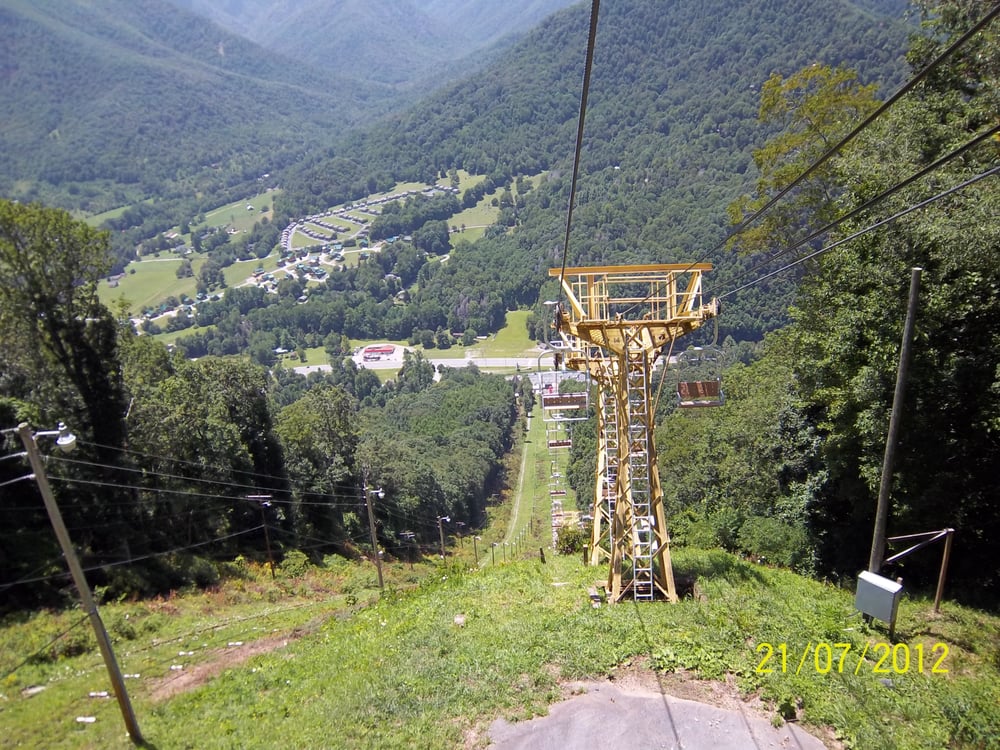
point(616, 321)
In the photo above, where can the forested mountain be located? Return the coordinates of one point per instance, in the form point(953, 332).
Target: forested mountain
point(103, 104)
point(670, 131)
point(671, 128)
point(397, 42)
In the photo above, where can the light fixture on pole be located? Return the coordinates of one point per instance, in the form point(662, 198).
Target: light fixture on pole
point(66, 441)
point(441, 520)
point(371, 525)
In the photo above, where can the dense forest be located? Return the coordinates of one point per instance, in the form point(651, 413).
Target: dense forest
point(788, 470)
point(176, 455)
point(667, 146)
point(108, 104)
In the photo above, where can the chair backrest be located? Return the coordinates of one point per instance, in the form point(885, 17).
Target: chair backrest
point(699, 392)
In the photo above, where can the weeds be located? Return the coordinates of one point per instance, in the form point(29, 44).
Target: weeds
point(359, 668)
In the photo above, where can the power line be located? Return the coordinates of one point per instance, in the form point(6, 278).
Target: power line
point(861, 232)
point(205, 495)
point(35, 653)
point(588, 66)
point(129, 561)
point(837, 147)
point(874, 200)
point(833, 150)
point(350, 488)
point(30, 577)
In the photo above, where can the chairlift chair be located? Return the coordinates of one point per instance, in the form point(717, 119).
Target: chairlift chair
point(700, 378)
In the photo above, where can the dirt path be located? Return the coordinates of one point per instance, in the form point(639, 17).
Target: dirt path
point(214, 663)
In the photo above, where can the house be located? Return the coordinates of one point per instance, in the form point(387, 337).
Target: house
point(377, 351)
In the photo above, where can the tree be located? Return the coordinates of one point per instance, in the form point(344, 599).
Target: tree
point(433, 238)
point(318, 436)
point(850, 316)
point(54, 330)
point(815, 108)
point(416, 374)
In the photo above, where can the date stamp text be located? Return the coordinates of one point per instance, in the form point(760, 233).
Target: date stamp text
point(879, 658)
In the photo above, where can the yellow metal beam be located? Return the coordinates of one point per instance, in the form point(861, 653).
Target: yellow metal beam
point(616, 322)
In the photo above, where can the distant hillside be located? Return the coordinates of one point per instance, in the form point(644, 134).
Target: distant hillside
point(118, 100)
point(670, 130)
point(397, 42)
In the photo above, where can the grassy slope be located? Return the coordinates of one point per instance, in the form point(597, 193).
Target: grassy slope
point(400, 673)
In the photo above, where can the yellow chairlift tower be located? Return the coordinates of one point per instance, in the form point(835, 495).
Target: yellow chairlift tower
point(617, 320)
point(559, 411)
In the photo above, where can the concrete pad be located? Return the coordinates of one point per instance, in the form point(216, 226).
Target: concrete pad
point(608, 716)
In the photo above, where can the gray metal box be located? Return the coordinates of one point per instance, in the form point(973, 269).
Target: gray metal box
point(878, 597)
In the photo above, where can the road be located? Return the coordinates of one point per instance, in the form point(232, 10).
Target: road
point(395, 361)
point(529, 365)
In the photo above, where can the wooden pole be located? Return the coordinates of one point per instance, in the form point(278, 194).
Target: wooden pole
point(882, 509)
point(76, 570)
point(264, 501)
point(949, 535)
point(371, 527)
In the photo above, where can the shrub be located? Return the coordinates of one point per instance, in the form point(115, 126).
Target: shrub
point(691, 529)
point(571, 540)
point(295, 564)
point(773, 541)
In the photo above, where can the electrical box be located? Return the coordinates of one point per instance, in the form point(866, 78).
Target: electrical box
point(878, 597)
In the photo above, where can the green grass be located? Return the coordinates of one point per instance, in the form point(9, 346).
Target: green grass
point(400, 673)
point(510, 341)
point(172, 336)
point(96, 220)
point(153, 280)
point(236, 215)
point(337, 665)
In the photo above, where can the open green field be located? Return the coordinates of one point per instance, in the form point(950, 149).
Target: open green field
point(97, 219)
point(237, 215)
point(483, 215)
point(153, 280)
point(172, 336)
point(510, 341)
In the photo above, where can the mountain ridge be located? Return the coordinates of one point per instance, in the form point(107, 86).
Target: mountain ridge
point(142, 96)
point(403, 43)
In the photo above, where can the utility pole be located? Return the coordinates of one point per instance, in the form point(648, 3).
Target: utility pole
point(75, 569)
point(371, 527)
point(882, 509)
point(441, 519)
point(411, 538)
point(265, 502)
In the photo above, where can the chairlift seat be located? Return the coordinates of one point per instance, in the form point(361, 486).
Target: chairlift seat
point(696, 393)
point(565, 401)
